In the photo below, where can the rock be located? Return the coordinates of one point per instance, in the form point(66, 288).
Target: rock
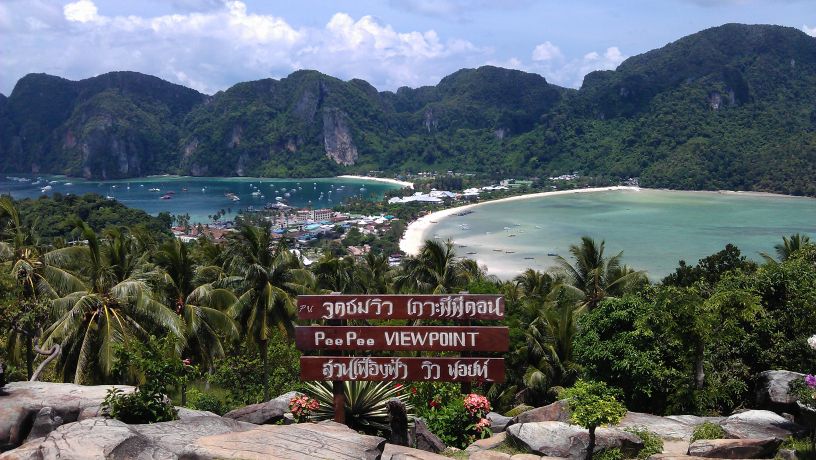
point(337, 137)
point(95, 438)
point(498, 422)
point(487, 443)
point(673, 457)
point(772, 390)
point(760, 424)
point(395, 452)
point(528, 457)
point(185, 413)
point(103, 438)
point(424, 439)
point(555, 412)
point(265, 412)
point(489, 455)
point(664, 427)
point(735, 448)
point(786, 454)
point(45, 422)
point(302, 441)
point(695, 420)
point(559, 439)
point(24, 400)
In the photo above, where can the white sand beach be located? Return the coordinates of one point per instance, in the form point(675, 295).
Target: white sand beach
point(415, 234)
point(403, 184)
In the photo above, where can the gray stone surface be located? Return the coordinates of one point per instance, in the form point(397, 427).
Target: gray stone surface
point(489, 455)
point(264, 413)
point(760, 424)
point(772, 390)
point(307, 441)
point(664, 427)
point(487, 443)
point(555, 412)
point(735, 448)
point(185, 413)
point(45, 422)
point(201, 438)
point(395, 452)
point(24, 400)
point(498, 422)
point(424, 439)
point(558, 439)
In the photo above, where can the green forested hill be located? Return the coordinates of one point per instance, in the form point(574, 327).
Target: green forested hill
point(729, 107)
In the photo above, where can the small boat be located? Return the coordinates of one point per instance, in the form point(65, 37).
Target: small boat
point(498, 250)
point(46, 188)
point(461, 245)
point(471, 253)
point(434, 222)
point(511, 235)
point(552, 254)
point(256, 193)
point(529, 258)
point(509, 252)
point(154, 190)
point(69, 183)
point(184, 189)
point(109, 198)
point(166, 196)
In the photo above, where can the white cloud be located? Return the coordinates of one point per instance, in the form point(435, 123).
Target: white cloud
point(81, 11)
point(809, 30)
point(546, 51)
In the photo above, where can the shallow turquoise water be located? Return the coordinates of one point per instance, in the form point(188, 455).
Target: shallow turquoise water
point(204, 195)
point(654, 228)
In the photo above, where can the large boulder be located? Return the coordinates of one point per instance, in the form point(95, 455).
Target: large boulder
point(23, 401)
point(735, 448)
point(760, 424)
point(264, 413)
point(558, 439)
point(555, 412)
point(424, 439)
point(395, 452)
point(664, 427)
point(498, 422)
point(300, 441)
point(772, 391)
point(45, 422)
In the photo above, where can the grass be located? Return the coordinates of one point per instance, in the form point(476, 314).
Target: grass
point(707, 430)
point(802, 446)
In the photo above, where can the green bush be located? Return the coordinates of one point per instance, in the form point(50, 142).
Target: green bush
point(448, 421)
point(708, 430)
point(609, 454)
point(141, 406)
point(652, 443)
point(366, 402)
point(199, 400)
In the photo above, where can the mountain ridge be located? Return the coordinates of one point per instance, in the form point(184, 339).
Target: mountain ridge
point(728, 107)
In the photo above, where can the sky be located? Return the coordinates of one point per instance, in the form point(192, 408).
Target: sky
point(210, 45)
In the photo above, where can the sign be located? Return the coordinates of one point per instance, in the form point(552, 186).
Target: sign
point(458, 307)
point(402, 338)
point(340, 368)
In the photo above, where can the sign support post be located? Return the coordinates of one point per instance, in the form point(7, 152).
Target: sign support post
point(338, 389)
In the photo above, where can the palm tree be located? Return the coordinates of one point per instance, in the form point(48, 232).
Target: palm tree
point(336, 274)
point(548, 349)
point(38, 280)
point(202, 307)
point(375, 273)
point(113, 306)
point(435, 270)
point(269, 281)
point(788, 246)
point(596, 275)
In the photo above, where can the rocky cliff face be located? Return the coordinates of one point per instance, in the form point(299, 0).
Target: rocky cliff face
point(337, 137)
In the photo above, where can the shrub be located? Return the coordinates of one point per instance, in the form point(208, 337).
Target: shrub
point(593, 404)
point(652, 443)
point(447, 419)
point(609, 454)
point(302, 407)
point(707, 430)
point(158, 368)
point(199, 400)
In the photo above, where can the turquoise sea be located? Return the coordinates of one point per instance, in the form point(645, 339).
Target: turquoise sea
point(203, 196)
point(653, 228)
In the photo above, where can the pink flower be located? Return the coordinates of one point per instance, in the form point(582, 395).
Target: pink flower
point(810, 380)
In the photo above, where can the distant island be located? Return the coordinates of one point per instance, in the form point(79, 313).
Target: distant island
point(731, 107)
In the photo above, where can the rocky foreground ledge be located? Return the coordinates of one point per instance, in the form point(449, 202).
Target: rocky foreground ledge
point(40, 421)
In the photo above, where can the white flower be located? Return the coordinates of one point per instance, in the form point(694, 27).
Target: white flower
point(812, 342)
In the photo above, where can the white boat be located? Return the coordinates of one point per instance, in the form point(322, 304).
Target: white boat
point(46, 188)
point(256, 193)
point(155, 190)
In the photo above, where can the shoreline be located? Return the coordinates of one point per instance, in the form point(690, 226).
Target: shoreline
point(412, 239)
point(403, 184)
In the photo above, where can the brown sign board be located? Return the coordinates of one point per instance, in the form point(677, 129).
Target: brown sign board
point(339, 368)
point(456, 307)
point(403, 338)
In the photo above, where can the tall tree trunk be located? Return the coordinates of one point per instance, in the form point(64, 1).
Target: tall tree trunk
point(29, 357)
point(264, 360)
point(699, 371)
point(591, 445)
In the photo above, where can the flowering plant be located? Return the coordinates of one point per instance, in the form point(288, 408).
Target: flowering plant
point(805, 389)
point(302, 407)
point(477, 405)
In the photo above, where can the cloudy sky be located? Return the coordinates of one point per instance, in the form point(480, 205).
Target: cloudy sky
point(213, 44)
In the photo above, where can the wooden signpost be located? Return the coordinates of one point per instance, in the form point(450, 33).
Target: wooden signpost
point(336, 309)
